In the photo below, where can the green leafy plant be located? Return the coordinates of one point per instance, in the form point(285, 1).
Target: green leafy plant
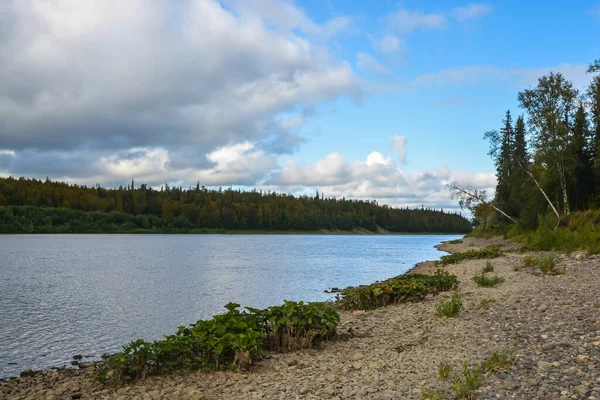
point(231, 340)
point(488, 267)
point(466, 382)
point(455, 241)
point(400, 289)
point(486, 280)
point(444, 371)
point(450, 308)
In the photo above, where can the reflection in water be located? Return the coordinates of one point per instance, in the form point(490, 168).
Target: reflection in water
point(62, 295)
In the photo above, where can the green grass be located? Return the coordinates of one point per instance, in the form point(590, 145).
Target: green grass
point(487, 280)
point(444, 371)
point(498, 361)
point(450, 308)
point(488, 267)
point(487, 252)
point(546, 263)
point(466, 382)
point(486, 303)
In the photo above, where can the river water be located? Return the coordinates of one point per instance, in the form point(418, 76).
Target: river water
point(62, 295)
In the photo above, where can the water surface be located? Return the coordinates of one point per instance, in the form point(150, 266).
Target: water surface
point(62, 295)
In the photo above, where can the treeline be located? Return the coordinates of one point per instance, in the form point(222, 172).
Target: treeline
point(547, 161)
point(30, 205)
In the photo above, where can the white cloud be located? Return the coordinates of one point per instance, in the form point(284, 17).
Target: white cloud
point(366, 62)
point(471, 11)
point(399, 146)
point(389, 44)
point(407, 21)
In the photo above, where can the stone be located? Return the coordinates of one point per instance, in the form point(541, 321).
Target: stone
point(77, 357)
point(304, 390)
point(83, 365)
point(582, 359)
point(26, 373)
point(543, 365)
point(76, 396)
point(330, 377)
point(293, 362)
point(581, 390)
point(548, 346)
point(542, 307)
point(357, 357)
point(595, 344)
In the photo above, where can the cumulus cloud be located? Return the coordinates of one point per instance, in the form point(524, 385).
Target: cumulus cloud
point(378, 177)
point(98, 78)
point(471, 11)
point(366, 62)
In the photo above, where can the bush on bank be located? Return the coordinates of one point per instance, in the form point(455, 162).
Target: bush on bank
point(227, 341)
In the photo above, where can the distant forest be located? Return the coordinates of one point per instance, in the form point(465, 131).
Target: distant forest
point(35, 206)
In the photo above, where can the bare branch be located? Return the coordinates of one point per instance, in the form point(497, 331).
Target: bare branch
point(472, 198)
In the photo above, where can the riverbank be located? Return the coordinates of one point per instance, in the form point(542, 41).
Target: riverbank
point(552, 323)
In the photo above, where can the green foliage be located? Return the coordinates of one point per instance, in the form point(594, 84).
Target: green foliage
point(400, 289)
point(444, 371)
point(227, 341)
point(455, 241)
point(499, 360)
point(484, 280)
point(545, 262)
point(33, 206)
point(431, 394)
point(450, 308)
point(486, 303)
point(488, 267)
point(466, 382)
point(488, 252)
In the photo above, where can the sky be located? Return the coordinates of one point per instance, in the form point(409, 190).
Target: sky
point(381, 100)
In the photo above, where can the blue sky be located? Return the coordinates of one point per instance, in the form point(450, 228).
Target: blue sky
point(386, 100)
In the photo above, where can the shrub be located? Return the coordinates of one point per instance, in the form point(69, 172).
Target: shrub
point(487, 252)
point(455, 241)
point(466, 382)
point(450, 308)
point(488, 267)
point(227, 341)
point(487, 281)
point(400, 289)
point(431, 394)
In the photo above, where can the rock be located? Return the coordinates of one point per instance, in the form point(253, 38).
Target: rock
point(74, 362)
point(335, 290)
point(77, 357)
point(357, 365)
point(544, 366)
point(194, 395)
point(293, 362)
point(357, 357)
point(548, 346)
point(26, 373)
point(543, 307)
point(595, 344)
point(582, 359)
point(304, 390)
point(106, 356)
point(76, 396)
point(329, 391)
point(581, 390)
point(83, 365)
point(330, 377)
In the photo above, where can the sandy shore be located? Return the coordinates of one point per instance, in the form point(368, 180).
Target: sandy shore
point(552, 323)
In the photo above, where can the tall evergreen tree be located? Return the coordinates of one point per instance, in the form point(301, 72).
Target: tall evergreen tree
point(519, 168)
point(582, 183)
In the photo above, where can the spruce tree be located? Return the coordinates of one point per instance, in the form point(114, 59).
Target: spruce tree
point(582, 183)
